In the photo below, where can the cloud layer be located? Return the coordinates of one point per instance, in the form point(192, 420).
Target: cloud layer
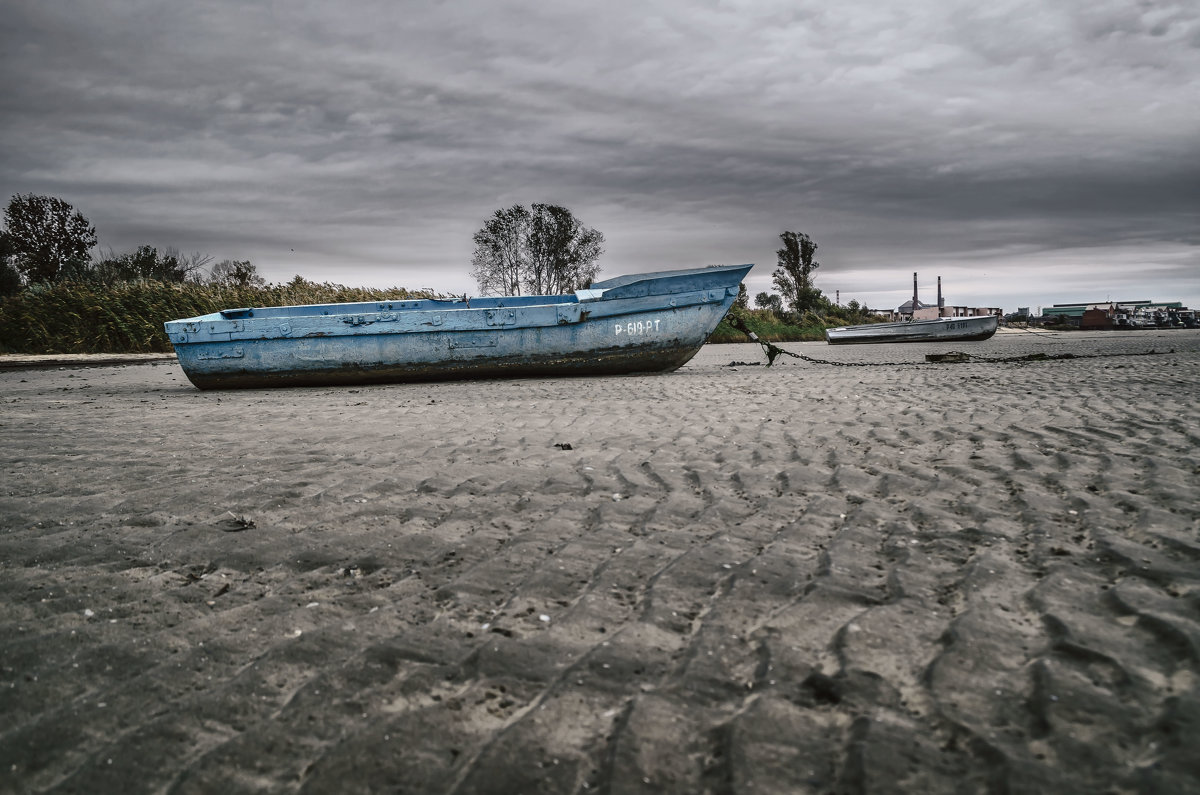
point(1027, 152)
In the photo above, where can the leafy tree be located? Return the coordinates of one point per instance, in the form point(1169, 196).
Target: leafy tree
point(765, 300)
point(47, 236)
point(543, 250)
point(10, 279)
point(794, 276)
point(236, 274)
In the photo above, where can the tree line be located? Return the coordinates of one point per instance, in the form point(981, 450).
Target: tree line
point(543, 249)
point(546, 250)
point(540, 250)
point(47, 241)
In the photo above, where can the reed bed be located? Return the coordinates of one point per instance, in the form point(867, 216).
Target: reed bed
point(82, 317)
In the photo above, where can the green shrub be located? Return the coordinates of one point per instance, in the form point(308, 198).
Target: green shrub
point(768, 326)
point(773, 326)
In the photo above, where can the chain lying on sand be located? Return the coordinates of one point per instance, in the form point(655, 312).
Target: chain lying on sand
point(774, 351)
point(1049, 357)
point(957, 357)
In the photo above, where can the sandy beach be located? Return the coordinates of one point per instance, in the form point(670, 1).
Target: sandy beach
point(888, 576)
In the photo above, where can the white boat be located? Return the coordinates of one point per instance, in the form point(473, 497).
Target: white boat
point(942, 329)
point(938, 329)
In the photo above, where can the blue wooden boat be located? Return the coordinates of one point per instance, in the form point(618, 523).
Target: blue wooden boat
point(649, 322)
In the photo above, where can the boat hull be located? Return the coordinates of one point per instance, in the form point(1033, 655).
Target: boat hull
point(647, 323)
point(958, 329)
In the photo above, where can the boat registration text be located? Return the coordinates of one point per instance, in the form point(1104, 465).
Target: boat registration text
point(635, 327)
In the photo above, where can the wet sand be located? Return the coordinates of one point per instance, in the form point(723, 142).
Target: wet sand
point(977, 577)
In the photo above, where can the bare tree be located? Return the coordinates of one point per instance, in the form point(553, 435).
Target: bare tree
point(541, 251)
point(146, 264)
point(499, 261)
point(235, 273)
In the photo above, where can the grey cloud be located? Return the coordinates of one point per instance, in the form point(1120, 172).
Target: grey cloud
point(694, 131)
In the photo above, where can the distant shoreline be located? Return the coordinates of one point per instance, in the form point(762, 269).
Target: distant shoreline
point(25, 361)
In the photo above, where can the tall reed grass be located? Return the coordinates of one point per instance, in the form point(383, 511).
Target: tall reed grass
point(83, 317)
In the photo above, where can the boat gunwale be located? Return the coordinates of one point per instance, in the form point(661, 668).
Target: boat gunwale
point(481, 302)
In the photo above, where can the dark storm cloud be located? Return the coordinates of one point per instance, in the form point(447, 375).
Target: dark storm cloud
point(338, 141)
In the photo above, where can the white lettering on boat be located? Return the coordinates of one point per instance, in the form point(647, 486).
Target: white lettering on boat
point(634, 327)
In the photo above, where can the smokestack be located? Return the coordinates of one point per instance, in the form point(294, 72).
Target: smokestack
point(941, 301)
point(914, 308)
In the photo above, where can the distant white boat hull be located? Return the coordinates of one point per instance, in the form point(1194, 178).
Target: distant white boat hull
point(942, 329)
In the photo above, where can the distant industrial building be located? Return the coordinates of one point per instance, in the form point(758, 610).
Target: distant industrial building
point(1121, 314)
point(915, 309)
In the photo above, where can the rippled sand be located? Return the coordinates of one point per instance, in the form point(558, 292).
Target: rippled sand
point(810, 578)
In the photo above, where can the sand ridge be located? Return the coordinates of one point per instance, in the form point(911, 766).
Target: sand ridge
point(961, 577)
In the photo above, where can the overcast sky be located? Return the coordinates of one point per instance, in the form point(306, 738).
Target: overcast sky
point(1029, 153)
